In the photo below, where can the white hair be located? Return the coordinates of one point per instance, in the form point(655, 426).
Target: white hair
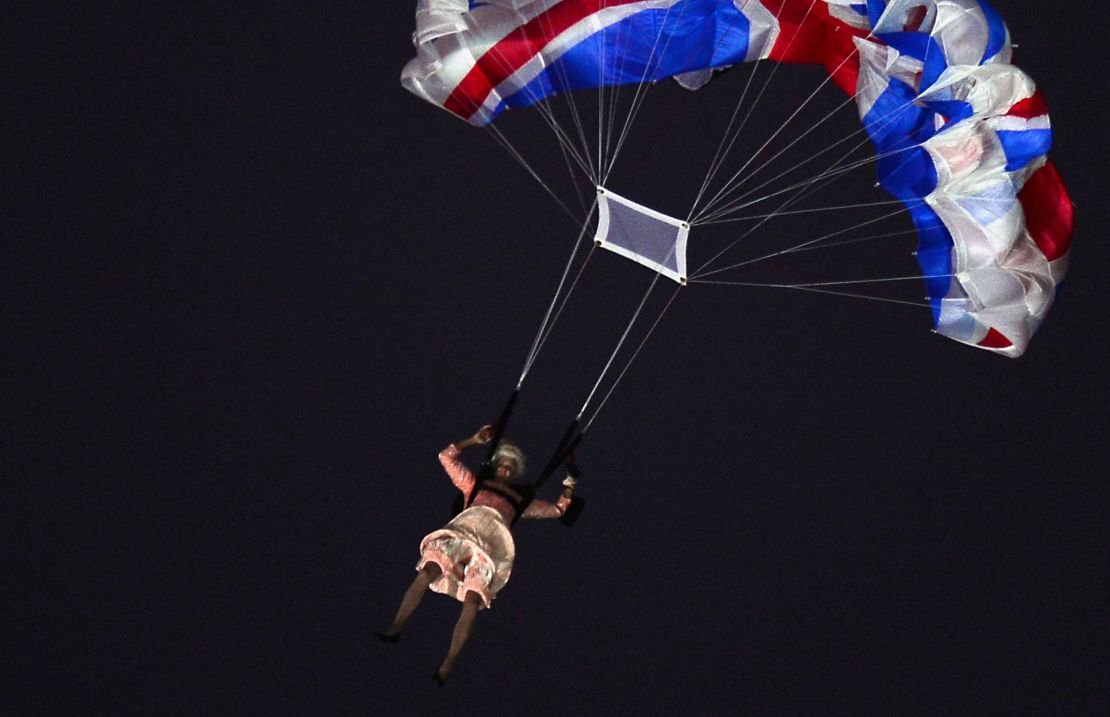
point(513, 453)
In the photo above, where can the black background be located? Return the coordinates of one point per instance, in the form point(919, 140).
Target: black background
point(255, 286)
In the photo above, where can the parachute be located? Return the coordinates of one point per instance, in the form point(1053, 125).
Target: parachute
point(960, 134)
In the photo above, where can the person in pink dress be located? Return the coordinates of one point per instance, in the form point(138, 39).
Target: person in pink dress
point(471, 557)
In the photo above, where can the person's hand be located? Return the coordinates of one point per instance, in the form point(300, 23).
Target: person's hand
point(570, 484)
point(483, 436)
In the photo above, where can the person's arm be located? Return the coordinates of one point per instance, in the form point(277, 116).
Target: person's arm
point(546, 509)
point(460, 475)
point(480, 438)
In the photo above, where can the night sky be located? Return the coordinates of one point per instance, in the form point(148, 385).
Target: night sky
point(255, 286)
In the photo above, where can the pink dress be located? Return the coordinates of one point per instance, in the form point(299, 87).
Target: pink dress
point(475, 551)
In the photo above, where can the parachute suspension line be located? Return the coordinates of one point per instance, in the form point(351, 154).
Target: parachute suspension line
point(564, 138)
point(797, 196)
point(803, 211)
point(573, 179)
point(797, 139)
point(641, 90)
point(732, 184)
point(617, 87)
point(826, 245)
point(565, 143)
point(508, 146)
point(614, 96)
point(843, 282)
point(815, 286)
point(788, 250)
point(886, 120)
point(806, 188)
point(537, 342)
point(917, 304)
point(892, 113)
point(547, 113)
point(825, 176)
point(594, 173)
point(762, 90)
point(563, 303)
point(810, 187)
point(614, 102)
point(733, 204)
point(719, 158)
point(833, 170)
point(566, 147)
point(856, 240)
point(600, 94)
point(620, 343)
point(612, 148)
point(630, 360)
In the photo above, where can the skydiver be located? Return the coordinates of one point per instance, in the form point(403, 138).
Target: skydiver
point(472, 556)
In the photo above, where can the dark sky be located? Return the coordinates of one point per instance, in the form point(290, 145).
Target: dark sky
point(256, 286)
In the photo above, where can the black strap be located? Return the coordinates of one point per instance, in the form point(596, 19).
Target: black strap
point(570, 440)
point(517, 494)
point(499, 427)
point(485, 471)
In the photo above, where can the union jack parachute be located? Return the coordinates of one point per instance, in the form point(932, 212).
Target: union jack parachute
point(960, 134)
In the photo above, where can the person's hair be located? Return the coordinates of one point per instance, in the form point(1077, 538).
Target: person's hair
point(512, 452)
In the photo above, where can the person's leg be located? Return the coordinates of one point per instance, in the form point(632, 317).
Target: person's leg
point(470, 607)
point(425, 577)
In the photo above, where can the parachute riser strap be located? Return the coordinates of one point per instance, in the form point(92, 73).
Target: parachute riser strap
point(559, 458)
point(570, 440)
point(499, 427)
point(571, 436)
point(485, 471)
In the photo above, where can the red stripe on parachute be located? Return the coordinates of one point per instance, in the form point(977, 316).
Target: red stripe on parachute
point(1049, 214)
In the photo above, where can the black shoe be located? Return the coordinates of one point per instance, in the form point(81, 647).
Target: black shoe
point(391, 639)
point(439, 679)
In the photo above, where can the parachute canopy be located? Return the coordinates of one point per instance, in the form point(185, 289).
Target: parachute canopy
point(960, 133)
